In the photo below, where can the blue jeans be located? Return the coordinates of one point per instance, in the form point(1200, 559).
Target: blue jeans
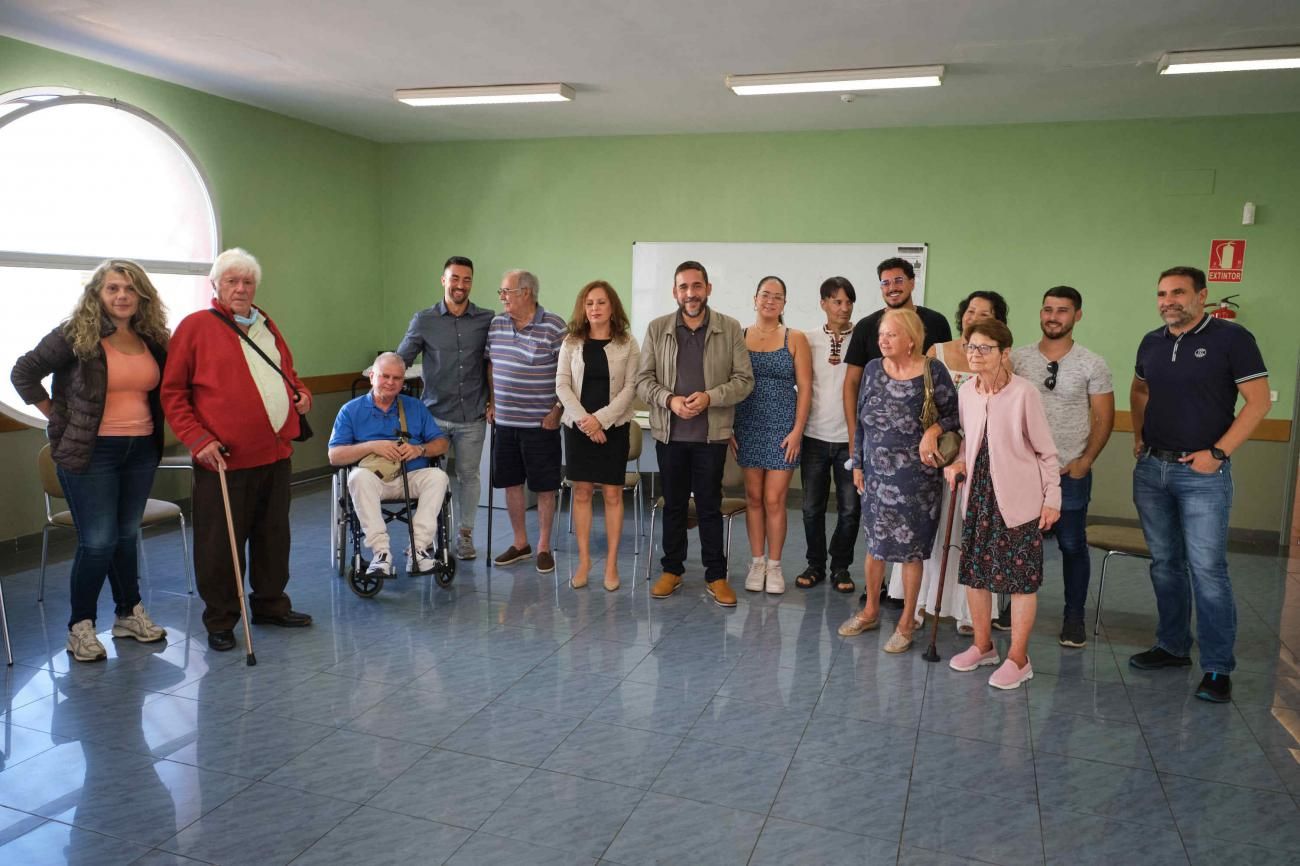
point(107, 500)
point(1072, 539)
point(818, 463)
point(1184, 517)
point(467, 448)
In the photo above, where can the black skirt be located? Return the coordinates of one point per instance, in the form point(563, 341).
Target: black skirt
point(599, 464)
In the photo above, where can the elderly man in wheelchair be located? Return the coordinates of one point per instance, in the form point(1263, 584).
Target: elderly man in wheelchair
point(391, 438)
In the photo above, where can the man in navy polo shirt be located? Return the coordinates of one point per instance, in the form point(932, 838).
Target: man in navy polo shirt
point(372, 425)
point(1185, 428)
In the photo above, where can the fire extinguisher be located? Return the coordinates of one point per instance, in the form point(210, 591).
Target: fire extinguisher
point(1227, 308)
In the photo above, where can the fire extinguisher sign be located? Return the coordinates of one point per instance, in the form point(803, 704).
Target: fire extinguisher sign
point(1226, 260)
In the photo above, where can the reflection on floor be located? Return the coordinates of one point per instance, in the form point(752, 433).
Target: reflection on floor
point(511, 719)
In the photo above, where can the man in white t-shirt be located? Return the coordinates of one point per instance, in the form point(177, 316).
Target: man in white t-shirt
point(826, 450)
point(1079, 400)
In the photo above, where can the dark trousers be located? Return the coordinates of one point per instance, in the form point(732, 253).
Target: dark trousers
point(693, 469)
point(1072, 539)
point(820, 462)
point(107, 500)
point(259, 505)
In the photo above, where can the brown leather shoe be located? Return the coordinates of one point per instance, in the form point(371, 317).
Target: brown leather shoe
point(722, 593)
point(666, 585)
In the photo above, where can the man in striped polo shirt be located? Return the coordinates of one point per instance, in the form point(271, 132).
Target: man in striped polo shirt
point(523, 350)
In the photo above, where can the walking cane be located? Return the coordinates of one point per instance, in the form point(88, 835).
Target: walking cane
point(492, 490)
point(931, 654)
point(234, 559)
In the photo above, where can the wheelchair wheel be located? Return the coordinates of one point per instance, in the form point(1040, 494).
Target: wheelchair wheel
point(363, 584)
point(444, 572)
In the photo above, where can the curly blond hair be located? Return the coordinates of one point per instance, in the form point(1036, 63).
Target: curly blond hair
point(84, 328)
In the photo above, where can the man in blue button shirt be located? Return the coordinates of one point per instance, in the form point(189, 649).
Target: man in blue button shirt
point(450, 338)
point(372, 425)
point(1185, 427)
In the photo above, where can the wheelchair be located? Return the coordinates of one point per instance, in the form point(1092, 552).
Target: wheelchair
point(345, 526)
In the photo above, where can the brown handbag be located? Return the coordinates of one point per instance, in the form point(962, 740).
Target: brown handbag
point(949, 446)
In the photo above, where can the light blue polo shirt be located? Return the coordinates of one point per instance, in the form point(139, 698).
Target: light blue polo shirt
point(360, 420)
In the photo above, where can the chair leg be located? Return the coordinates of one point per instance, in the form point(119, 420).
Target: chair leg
point(727, 559)
point(636, 519)
point(188, 564)
point(4, 614)
point(1101, 588)
point(650, 547)
point(570, 529)
point(45, 551)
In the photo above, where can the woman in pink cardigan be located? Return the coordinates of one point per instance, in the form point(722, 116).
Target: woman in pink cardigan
point(1013, 495)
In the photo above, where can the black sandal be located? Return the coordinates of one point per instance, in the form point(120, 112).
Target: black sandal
point(809, 579)
point(841, 582)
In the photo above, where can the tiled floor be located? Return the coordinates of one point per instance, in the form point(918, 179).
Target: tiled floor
point(511, 719)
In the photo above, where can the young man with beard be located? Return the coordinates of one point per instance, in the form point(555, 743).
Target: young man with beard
point(451, 337)
point(694, 370)
point(1079, 399)
point(897, 280)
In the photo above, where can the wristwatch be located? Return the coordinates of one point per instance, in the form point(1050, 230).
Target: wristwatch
point(1217, 453)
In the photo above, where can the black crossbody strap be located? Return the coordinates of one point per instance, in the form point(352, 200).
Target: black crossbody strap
point(256, 348)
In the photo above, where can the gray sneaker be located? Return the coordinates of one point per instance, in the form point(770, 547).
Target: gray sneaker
point(83, 644)
point(465, 546)
point(139, 626)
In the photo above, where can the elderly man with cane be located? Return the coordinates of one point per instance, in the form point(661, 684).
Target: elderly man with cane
point(231, 394)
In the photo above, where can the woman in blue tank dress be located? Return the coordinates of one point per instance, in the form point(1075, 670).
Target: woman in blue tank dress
point(895, 467)
point(769, 430)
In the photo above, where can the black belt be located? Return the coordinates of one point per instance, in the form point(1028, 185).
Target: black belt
point(1166, 456)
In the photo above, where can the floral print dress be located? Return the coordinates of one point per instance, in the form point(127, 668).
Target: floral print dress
point(900, 504)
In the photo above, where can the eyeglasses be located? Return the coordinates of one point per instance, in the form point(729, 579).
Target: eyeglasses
point(1050, 381)
point(505, 293)
point(896, 281)
point(770, 296)
point(978, 349)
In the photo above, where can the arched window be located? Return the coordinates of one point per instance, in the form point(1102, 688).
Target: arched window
point(82, 179)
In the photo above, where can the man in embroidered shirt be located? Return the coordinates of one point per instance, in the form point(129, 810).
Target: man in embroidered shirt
point(523, 348)
point(1079, 400)
point(450, 338)
point(826, 449)
point(1183, 399)
point(373, 424)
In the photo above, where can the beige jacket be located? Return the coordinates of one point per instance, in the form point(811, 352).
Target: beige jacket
point(728, 376)
point(622, 357)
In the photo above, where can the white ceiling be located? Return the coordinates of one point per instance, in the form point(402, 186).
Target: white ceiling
point(657, 66)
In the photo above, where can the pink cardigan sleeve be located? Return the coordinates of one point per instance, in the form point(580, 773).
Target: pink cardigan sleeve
point(1040, 437)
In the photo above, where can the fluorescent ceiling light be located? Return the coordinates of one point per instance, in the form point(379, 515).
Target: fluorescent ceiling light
point(836, 80)
point(500, 94)
point(1232, 60)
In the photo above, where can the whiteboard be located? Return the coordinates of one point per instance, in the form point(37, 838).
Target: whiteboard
point(735, 269)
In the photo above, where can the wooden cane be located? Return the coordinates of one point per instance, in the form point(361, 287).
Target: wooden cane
point(234, 559)
point(932, 653)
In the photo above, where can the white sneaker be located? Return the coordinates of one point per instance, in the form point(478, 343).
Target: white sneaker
point(775, 581)
point(423, 562)
point(381, 564)
point(83, 644)
point(139, 626)
point(757, 576)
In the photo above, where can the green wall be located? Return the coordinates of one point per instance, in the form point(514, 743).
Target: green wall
point(1100, 206)
point(342, 224)
point(303, 199)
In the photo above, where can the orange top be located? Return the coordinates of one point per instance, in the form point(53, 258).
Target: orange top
point(126, 404)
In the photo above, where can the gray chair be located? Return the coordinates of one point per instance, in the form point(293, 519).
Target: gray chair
point(631, 481)
point(1115, 541)
point(733, 480)
point(156, 511)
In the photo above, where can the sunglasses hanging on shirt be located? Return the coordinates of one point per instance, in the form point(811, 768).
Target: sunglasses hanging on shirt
point(1050, 382)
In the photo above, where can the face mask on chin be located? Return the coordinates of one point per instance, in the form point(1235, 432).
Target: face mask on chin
point(247, 321)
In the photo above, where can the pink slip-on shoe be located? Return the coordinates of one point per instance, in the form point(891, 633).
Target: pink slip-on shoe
point(1011, 675)
point(971, 658)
